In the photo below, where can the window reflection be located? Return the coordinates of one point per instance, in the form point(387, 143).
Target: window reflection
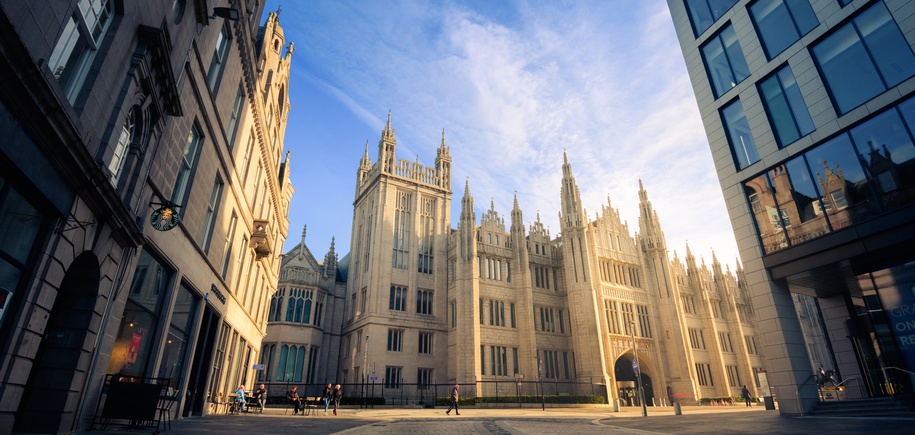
point(769, 219)
point(841, 182)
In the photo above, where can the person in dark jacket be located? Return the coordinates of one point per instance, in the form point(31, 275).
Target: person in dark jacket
point(338, 396)
point(745, 393)
point(293, 397)
point(454, 400)
point(327, 396)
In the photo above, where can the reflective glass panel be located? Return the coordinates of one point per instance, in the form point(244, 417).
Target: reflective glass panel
point(802, 205)
point(782, 22)
point(743, 148)
point(841, 182)
point(761, 195)
point(887, 152)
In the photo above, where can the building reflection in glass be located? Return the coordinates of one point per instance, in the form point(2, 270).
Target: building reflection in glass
point(853, 177)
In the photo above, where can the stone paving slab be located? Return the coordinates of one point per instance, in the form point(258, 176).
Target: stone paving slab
point(531, 421)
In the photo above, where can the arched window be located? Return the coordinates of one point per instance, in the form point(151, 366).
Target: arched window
point(281, 370)
point(119, 156)
point(298, 310)
point(299, 364)
point(307, 317)
point(290, 309)
point(281, 99)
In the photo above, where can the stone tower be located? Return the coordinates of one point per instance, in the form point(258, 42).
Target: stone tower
point(395, 297)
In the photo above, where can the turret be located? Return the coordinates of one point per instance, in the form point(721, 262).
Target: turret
point(443, 164)
point(571, 214)
point(387, 146)
point(330, 261)
point(467, 225)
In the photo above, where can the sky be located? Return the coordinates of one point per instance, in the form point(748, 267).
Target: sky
point(513, 84)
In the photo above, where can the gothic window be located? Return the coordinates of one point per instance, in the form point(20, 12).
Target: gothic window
point(424, 302)
point(398, 298)
point(401, 245)
point(426, 236)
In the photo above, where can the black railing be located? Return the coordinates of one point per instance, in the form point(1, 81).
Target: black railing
point(491, 392)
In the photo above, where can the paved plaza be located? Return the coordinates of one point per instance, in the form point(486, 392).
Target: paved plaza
point(533, 421)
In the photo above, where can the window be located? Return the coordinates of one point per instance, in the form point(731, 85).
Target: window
point(424, 302)
point(426, 236)
point(188, 160)
point(725, 340)
point(864, 58)
point(401, 245)
point(704, 374)
point(453, 315)
point(512, 311)
point(218, 63)
point(743, 148)
point(782, 22)
point(227, 247)
point(398, 299)
point(236, 113)
point(515, 360)
point(696, 339)
point(21, 223)
point(704, 13)
point(733, 376)
point(644, 321)
point(611, 310)
point(724, 61)
point(424, 379)
point(498, 360)
point(496, 313)
point(298, 306)
point(210, 216)
point(364, 299)
point(392, 377)
point(78, 44)
point(395, 340)
point(785, 106)
point(119, 156)
point(751, 344)
point(425, 343)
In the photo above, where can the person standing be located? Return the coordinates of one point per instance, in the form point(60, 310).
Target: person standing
point(746, 394)
point(338, 395)
point(454, 400)
point(327, 396)
point(293, 397)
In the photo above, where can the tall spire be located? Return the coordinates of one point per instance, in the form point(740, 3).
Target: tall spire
point(571, 213)
point(387, 147)
point(443, 164)
point(302, 246)
point(467, 224)
point(649, 226)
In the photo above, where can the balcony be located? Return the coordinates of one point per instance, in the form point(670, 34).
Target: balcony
point(260, 239)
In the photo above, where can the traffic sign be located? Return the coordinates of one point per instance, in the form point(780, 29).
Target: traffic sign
point(635, 366)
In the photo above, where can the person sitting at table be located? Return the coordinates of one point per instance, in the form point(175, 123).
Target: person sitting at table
point(240, 398)
point(293, 397)
point(259, 398)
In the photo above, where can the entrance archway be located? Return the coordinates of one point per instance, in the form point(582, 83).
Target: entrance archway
point(55, 383)
point(627, 383)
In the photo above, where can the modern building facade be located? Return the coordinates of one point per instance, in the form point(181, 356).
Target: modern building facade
point(492, 302)
point(809, 114)
point(143, 199)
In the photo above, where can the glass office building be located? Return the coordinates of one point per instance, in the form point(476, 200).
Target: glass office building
point(809, 109)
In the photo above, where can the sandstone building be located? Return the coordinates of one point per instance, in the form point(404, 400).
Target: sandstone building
point(490, 301)
point(143, 197)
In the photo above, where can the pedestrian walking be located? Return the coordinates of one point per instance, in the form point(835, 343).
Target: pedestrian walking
point(745, 393)
point(454, 400)
point(327, 396)
point(338, 395)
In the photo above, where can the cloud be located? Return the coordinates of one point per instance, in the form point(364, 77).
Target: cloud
point(516, 84)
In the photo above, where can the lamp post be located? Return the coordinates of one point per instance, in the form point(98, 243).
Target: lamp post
point(638, 371)
point(540, 377)
point(365, 358)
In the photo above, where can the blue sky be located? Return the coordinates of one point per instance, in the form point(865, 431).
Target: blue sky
point(513, 84)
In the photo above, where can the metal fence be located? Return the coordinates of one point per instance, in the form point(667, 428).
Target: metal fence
point(491, 393)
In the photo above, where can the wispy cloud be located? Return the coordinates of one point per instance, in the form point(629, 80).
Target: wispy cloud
point(515, 84)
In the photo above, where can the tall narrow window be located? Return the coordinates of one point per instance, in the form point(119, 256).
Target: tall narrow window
point(398, 299)
point(401, 245)
point(743, 148)
point(119, 156)
point(218, 62)
point(188, 160)
point(236, 113)
point(78, 44)
point(724, 61)
point(227, 247)
point(210, 216)
point(426, 236)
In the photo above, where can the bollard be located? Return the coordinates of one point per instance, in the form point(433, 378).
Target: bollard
point(616, 406)
point(677, 409)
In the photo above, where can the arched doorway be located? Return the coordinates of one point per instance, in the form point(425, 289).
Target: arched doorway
point(627, 382)
point(55, 383)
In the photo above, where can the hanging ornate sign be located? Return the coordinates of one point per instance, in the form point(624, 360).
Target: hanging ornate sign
point(165, 217)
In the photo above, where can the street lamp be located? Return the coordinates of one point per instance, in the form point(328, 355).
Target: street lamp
point(365, 358)
point(540, 376)
point(638, 371)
